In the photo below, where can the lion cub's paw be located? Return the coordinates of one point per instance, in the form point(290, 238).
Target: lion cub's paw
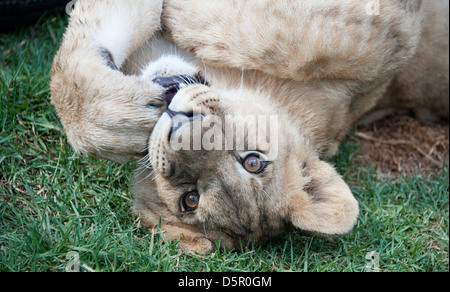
point(166, 66)
point(199, 245)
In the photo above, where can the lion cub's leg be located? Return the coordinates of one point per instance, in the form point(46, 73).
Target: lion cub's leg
point(104, 112)
point(423, 85)
point(297, 39)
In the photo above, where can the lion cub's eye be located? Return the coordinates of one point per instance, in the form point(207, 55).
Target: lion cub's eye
point(190, 201)
point(253, 164)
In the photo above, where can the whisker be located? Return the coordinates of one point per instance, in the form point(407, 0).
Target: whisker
point(143, 167)
point(146, 177)
point(242, 83)
point(204, 73)
point(155, 176)
point(187, 80)
point(204, 229)
point(267, 195)
point(145, 158)
point(141, 170)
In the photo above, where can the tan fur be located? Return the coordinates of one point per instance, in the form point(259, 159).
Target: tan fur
point(319, 66)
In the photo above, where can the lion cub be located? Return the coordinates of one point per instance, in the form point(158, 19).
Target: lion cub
point(232, 105)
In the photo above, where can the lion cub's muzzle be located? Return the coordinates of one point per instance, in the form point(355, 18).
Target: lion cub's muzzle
point(172, 85)
point(173, 143)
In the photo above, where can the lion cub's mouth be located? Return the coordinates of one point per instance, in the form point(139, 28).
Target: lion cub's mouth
point(173, 84)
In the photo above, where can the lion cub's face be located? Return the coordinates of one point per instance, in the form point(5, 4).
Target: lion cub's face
point(229, 169)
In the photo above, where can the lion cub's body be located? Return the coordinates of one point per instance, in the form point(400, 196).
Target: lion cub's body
point(319, 66)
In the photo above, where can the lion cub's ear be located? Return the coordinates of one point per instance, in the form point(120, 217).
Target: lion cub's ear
point(325, 205)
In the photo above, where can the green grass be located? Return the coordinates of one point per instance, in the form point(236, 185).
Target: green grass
point(53, 201)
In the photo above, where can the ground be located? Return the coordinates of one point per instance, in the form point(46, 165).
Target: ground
point(55, 203)
point(403, 145)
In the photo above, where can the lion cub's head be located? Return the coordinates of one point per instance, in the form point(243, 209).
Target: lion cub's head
point(228, 166)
